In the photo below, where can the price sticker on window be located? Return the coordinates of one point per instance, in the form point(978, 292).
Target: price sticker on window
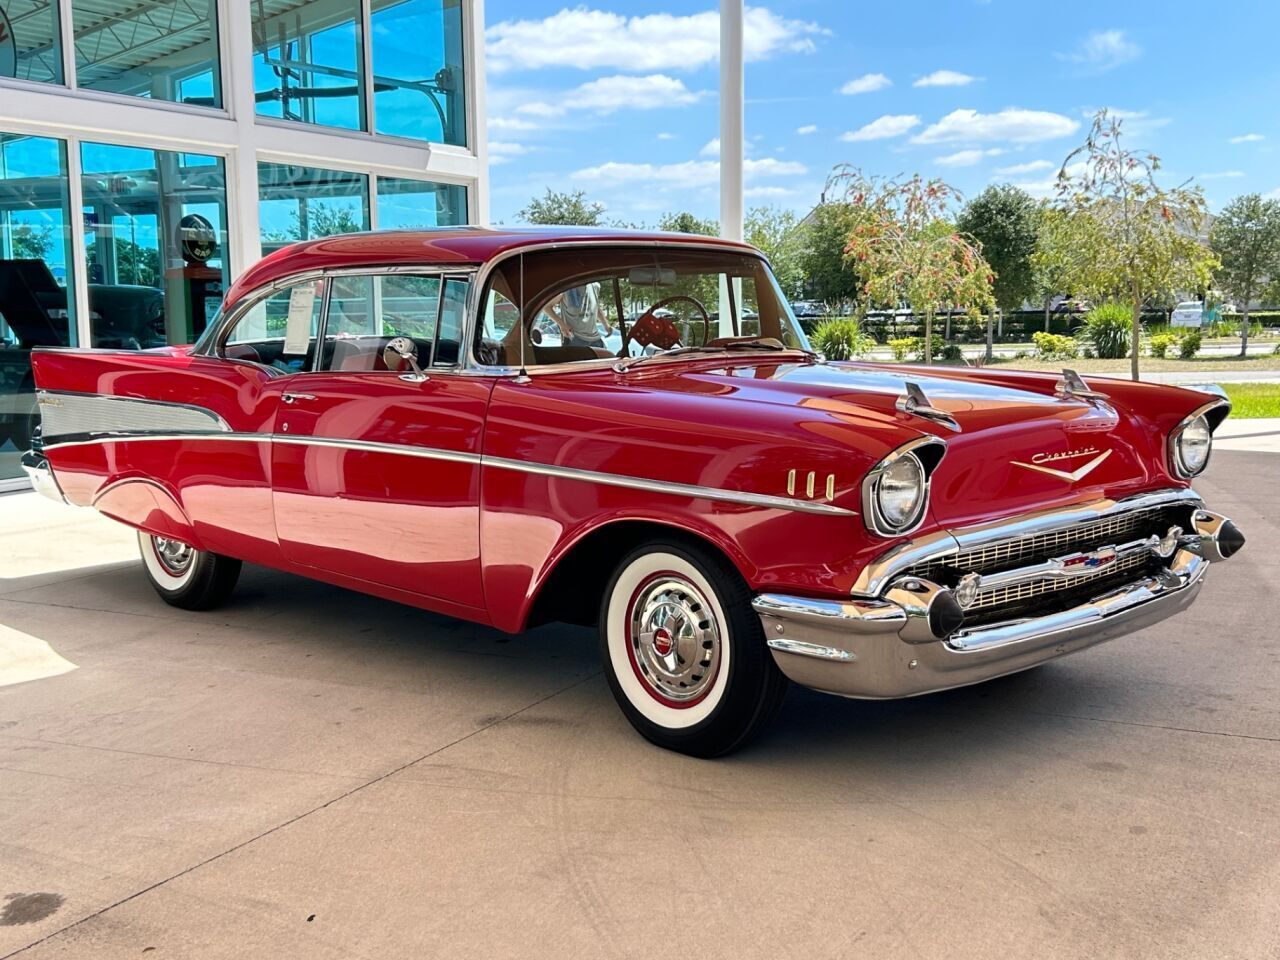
point(297, 330)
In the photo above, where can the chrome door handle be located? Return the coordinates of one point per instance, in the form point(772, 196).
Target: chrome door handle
point(297, 397)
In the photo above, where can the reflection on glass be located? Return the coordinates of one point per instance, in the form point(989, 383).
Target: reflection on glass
point(307, 63)
point(155, 244)
point(302, 203)
point(409, 204)
point(161, 49)
point(417, 67)
point(36, 307)
point(30, 41)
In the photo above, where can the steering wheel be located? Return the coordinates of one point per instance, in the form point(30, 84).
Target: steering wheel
point(661, 333)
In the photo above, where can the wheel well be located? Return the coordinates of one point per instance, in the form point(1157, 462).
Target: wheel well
point(573, 590)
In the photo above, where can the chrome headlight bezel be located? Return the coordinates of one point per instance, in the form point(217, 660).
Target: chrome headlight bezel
point(1208, 416)
point(924, 455)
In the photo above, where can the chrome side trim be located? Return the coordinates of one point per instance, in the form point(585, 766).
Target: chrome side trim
point(675, 489)
point(877, 575)
point(805, 649)
point(87, 414)
point(744, 497)
point(864, 616)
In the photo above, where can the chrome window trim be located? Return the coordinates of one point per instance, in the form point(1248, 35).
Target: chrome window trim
point(1171, 444)
point(877, 575)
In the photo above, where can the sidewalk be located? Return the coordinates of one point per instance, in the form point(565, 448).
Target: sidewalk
point(1255, 436)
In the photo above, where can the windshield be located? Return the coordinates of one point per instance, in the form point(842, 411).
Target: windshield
point(1187, 307)
point(600, 302)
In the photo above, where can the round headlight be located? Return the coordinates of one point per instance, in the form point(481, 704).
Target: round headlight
point(900, 491)
point(1192, 446)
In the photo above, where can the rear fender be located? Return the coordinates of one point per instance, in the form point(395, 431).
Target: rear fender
point(147, 505)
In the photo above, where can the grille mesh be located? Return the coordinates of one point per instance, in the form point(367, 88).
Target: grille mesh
point(1027, 591)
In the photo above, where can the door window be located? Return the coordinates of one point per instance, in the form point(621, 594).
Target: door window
point(280, 331)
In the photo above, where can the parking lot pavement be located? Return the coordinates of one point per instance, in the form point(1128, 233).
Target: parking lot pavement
point(316, 774)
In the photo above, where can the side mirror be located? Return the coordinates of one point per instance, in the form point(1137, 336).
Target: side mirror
point(400, 350)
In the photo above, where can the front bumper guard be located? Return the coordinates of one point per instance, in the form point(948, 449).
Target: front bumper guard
point(908, 642)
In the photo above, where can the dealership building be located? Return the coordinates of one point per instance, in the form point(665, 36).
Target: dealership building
point(150, 150)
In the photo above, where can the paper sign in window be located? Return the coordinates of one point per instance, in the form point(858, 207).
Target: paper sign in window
point(297, 331)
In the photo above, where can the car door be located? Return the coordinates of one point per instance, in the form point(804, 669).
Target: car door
point(376, 468)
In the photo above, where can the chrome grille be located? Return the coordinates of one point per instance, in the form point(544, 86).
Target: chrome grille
point(1029, 591)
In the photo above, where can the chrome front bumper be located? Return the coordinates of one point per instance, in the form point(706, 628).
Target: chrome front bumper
point(42, 480)
point(906, 642)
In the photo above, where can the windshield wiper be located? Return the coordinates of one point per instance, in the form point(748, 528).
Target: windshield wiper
point(760, 343)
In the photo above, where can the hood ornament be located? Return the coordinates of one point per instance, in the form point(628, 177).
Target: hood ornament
point(916, 404)
point(1073, 387)
point(1040, 459)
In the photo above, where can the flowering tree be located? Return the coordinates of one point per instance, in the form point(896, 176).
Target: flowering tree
point(1143, 238)
point(905, 247)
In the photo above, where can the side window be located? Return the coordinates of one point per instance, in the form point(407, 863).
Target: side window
point(366, 312)
point(280, 330)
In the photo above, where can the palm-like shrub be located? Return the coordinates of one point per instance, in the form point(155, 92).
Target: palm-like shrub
point(841, 339)
point(1107, 329)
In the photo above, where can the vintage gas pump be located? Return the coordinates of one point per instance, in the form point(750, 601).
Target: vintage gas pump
point(194, 290)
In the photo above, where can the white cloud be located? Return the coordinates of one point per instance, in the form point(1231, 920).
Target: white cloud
point(867, 83)
point(945, 78)
point(686, 174)
point(768, 192)
point(1248, 138)
point(664, 135)
point(1032, 166)
point(1012, 124)
point(807, 129)
point(1221, 175)
point(589, 39)
point(610, 94)
point(1134, 123)
point(1103, 50)
point(967, 158)
point(882, 128)
point(502, 151)
point(712, 148)
point(511, 123)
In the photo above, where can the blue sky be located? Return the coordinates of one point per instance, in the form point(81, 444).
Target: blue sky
point(618, 98)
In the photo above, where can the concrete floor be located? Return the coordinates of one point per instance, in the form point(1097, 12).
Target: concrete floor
point(312, 773)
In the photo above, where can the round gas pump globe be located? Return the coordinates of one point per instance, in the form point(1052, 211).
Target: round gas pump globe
point(198, 238)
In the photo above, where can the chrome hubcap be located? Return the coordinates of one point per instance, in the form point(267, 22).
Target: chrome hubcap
point(675, 641)
point(173, 555)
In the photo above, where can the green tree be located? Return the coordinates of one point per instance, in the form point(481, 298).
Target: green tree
point(570, 209)
point(908, 249)
point(1005, 221)
point(1146, 237)
point(820, 257)
point(1053, 265)
point(1246, 238)
point(777, 233)
point(31, 242)
point(319, 219)
point(685, 222)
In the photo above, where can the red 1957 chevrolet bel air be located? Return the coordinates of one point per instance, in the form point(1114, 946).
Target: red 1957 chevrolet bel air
point(630, 430)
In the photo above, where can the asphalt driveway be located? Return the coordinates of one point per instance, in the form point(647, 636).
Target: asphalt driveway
point(316, 774)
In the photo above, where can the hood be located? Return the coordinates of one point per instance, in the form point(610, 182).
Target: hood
point(1019, 445)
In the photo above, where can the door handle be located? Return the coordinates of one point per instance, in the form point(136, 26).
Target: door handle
point(297, 397)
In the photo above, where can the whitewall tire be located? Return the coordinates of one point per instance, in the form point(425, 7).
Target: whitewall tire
point(184, 576)
point(684, 653)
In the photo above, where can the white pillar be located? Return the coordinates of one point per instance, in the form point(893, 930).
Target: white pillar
point(731, 142)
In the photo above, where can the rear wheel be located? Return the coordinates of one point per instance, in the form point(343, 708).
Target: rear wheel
point(684, 653)
point(186, 577)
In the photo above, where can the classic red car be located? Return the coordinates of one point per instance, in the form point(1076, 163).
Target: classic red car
point(630, 430)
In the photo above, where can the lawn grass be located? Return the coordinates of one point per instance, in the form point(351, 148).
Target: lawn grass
point(1249, 401)
point(1120, 368)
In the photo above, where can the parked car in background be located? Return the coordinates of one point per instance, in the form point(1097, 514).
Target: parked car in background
point(1189, 313)
point(725, 507)
point(808, 310)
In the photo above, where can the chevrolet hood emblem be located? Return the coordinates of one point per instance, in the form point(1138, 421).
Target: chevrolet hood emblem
point(1040, 459)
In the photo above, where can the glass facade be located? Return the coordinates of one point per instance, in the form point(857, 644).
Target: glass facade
point(155, 244)
point(30, 42)
point(410, 204)
point(417, 66)
point(37, 303)
point(308, 63)
point(164, 50)
point(303, 203)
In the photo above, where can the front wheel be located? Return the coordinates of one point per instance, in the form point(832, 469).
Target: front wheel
point(684, 653)
point(186, 577)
